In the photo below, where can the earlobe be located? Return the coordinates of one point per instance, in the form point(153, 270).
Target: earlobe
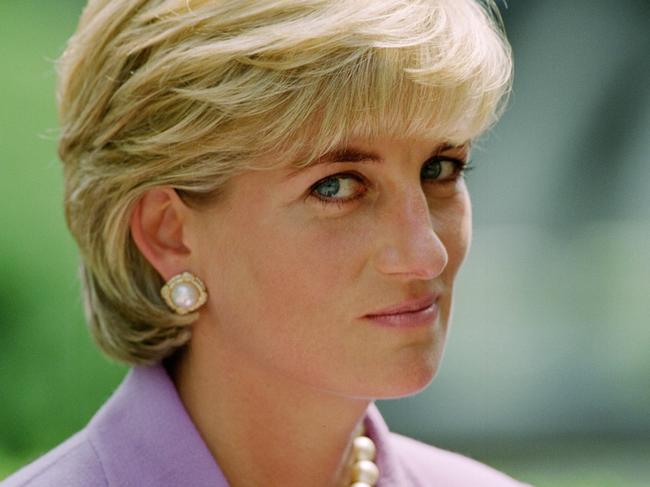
point(157, 225)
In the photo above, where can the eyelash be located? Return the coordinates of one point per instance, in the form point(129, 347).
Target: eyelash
point(462, 167)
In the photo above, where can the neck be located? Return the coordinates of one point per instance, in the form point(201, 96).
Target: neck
point(264, 428)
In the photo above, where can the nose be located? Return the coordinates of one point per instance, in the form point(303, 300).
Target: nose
point(410, 247)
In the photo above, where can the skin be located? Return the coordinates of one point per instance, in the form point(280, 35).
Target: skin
point(282, 365)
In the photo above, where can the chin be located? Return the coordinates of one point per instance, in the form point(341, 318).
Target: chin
point(415, 384)
point(404, 381)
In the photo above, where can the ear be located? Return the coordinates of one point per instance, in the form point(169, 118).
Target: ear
point(157, 225)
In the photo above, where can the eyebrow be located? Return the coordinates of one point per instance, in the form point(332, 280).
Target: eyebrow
point(347, 155)
point(350, 154)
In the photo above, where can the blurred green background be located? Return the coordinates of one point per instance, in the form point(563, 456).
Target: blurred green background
point(546, 372)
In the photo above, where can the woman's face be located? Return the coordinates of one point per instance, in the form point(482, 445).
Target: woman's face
point(294, 259)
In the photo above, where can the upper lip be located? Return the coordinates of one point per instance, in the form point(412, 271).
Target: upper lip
point(410, 305)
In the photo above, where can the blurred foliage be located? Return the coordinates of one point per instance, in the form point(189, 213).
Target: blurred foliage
point(52, 378)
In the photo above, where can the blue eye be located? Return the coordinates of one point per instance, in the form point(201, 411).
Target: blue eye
point(343, 188)
point(329, 187)
point(448, 167)
point(340, 187)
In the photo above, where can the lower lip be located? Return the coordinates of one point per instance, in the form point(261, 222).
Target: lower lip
point(414, 319)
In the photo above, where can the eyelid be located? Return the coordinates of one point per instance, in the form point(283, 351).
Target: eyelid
point(462, 166)
point(441, 157)
point(341, 201)
point(344, 174)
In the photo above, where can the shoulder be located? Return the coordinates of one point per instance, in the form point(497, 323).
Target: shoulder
point(441, 467)
point(73, 463)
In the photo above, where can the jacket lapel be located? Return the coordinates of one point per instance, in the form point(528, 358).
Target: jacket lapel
point(145, 438)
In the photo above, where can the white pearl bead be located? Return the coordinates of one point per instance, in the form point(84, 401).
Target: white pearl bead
point(364, 448)
point(360, 484)
point(184, 295)
point(365, 471)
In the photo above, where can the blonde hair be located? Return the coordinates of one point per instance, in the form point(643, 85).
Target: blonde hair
point(186, 93)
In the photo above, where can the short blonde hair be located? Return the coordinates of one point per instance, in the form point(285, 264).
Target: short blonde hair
point(186, 93)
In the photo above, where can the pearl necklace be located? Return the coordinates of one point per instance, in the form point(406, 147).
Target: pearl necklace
point(364, 471)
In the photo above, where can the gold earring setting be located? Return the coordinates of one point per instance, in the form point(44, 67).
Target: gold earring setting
point(184, 293)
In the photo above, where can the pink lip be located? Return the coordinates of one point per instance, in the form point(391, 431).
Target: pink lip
point(410, 305)
point(414, 312)
point(407, 320)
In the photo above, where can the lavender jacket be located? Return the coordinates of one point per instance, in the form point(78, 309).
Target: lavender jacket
point(143, 437)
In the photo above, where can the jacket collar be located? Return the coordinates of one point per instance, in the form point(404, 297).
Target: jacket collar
point(144, 436)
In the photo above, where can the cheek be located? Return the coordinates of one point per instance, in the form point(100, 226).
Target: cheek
point(455, 234)
point(284, 269)
point(264, 283)
point(297, 279)
point(307, 264)
point(453, 225)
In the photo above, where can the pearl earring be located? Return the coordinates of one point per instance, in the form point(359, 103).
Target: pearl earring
point(184, 293)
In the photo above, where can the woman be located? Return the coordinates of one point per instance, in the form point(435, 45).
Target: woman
point(269, 202)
